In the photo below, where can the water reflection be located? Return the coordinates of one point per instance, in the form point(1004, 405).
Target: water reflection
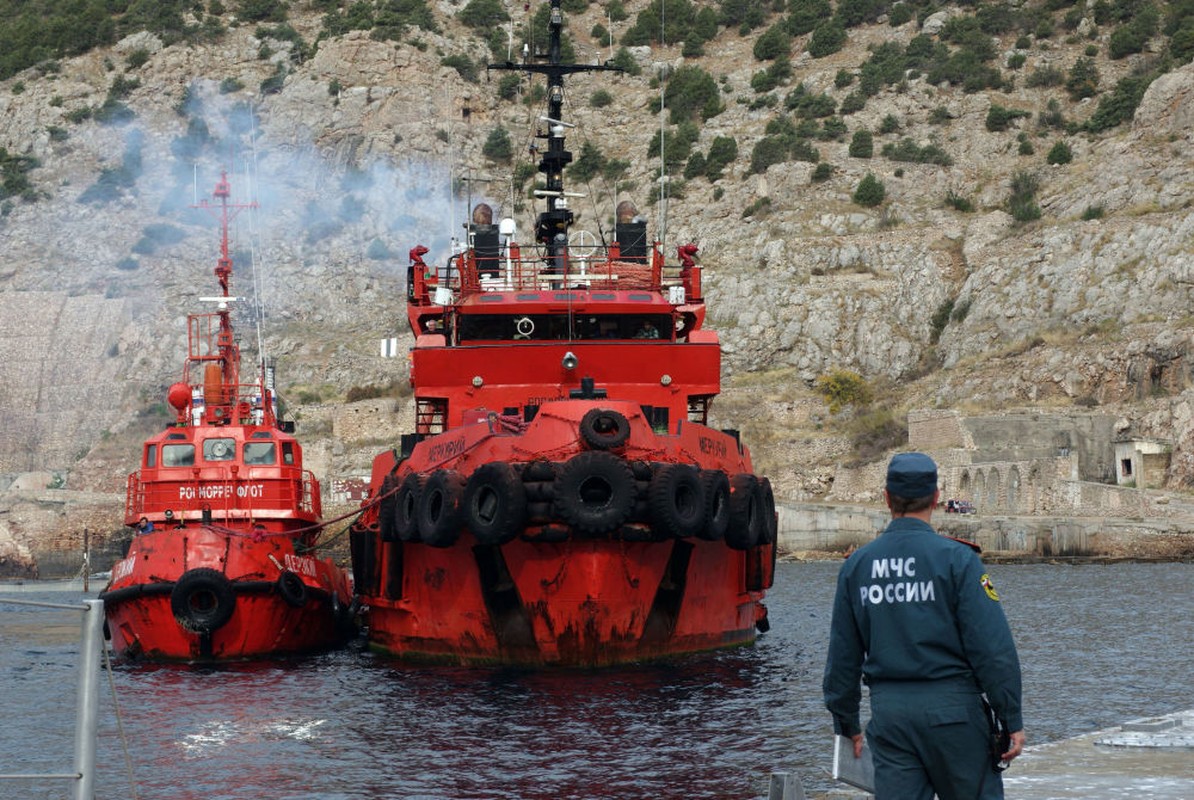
point(1100, 645)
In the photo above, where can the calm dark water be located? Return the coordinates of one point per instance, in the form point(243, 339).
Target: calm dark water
point(1100, 645)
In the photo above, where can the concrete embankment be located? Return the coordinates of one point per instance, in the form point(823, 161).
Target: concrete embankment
point(812, 528)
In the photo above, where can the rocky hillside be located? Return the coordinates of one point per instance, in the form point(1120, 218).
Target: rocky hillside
point(1018, 243)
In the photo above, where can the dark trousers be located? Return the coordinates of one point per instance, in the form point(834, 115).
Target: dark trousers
point(931, 738)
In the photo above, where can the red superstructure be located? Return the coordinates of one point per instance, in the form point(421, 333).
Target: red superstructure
point(562, 500)
point(223, 560)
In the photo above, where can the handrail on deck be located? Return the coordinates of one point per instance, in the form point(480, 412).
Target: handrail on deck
point(87, 702)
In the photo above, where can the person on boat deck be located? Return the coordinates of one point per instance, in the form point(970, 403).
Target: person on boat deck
point(917, 619)
point(647, 331)
point(144, 525)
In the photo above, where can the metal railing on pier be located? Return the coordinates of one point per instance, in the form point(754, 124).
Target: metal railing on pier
point(87, 702)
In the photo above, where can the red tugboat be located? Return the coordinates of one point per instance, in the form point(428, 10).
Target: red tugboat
point(222, 564)
point(562, 500)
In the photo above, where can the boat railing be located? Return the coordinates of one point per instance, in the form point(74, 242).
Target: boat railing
point(86, 702)
point(250, 492)
point(590, 267)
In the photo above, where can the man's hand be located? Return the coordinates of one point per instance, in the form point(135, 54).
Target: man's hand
point(857, 739)
point(1016, 746)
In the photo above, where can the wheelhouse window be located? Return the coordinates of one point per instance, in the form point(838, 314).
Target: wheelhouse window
point(287, 452)
point(178, 455)
point(505, 327)
point(151, 455)
point(261, 453)
point(219, 449)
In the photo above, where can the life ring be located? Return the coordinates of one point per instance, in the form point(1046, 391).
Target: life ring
point(292, 588)
point(406, 508)
point(604, 429)
point(746, 512)
point(676, 500)
point(202, 600)
point(495, 503)
point(439, 508)
point(717, 505)
point(525, 326)
point(594, 492)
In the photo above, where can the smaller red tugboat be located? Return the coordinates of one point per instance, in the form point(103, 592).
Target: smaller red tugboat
point(222, 563)
point(562, 500)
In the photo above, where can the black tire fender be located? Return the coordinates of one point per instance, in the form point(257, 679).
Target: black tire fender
point(746, 512)
point(676, 500)
point(406, 508)
point(386, 508)
point(292, 589)
point(594, 492)
point(440, 508)
point(770, 530)
point(202, 600)
point(604, 429)
point(717, 505)
point(495, 503)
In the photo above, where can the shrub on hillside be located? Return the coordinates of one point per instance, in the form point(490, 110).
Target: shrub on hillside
point(870, 191)
point(843, 387)
point(1022, 202)
point(1060, 153)
point(690, 93)
point(862, 145)
point(827, 38)
point(497, 146)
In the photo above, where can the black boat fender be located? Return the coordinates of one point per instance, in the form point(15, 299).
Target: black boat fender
point(746, 512)
point(495, 503)
point(717, 505)
point(677, 500)
point(202, 600)
point(594, 492)
point(292, 589)
point(440, 508)
point(770, 530)
point(406, 508)
point(604, 429)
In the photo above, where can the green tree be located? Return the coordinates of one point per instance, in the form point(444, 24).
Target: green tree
point(870, 191)
point(1060, 153)
point(863, 144)
point(722, 152)
point(1083, 80)
point(774, 43)
point(483, 15)
point(827, 39)
point(497, 146)
point(692, 92)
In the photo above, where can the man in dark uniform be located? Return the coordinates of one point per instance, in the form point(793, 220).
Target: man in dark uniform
point(918, 620)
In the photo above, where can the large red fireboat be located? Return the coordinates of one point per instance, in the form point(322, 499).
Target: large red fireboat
point(562, 499)
point(223, 564)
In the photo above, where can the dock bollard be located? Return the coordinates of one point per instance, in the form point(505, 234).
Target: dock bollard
point(785, 786)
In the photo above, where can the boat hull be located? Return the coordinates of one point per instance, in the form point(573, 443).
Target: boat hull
point(198, 594)
point(572, 603)
point(582, 538)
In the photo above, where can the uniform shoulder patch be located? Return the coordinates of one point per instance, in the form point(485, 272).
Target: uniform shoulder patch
point(989, 587)
point(971, 545)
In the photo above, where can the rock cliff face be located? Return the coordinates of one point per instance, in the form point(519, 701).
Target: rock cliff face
point(354, 159)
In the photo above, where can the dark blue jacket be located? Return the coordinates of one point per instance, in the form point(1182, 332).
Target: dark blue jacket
point(916, 606)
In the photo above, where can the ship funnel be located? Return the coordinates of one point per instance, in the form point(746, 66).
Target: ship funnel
point(569, 361)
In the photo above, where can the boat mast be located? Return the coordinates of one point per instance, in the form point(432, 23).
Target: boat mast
point(227, 351)
point(551, 227)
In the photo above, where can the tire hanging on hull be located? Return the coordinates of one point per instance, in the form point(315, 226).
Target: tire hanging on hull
point(495, 503)
point(746, 512)
point(202, 600)
point(594, 492)
point(676, 500)
point(439, 508)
